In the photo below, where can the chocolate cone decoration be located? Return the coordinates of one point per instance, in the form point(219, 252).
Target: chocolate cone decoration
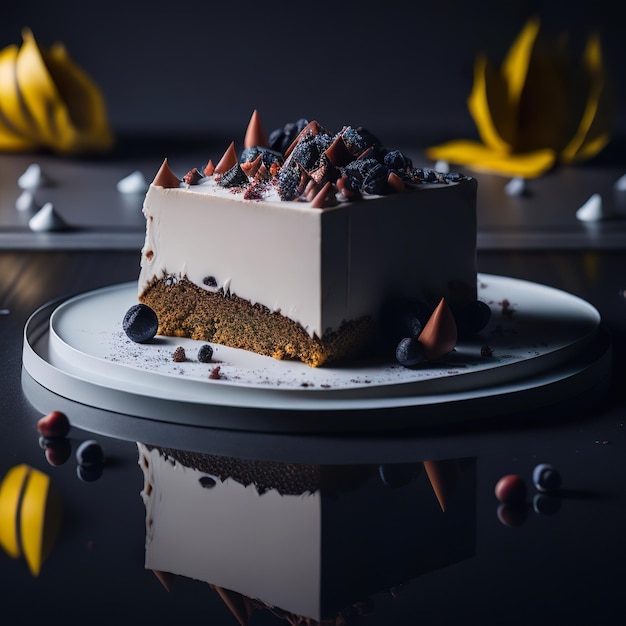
point(255, 133)
point(165, 177)
point(228, 161)
point(439, 335)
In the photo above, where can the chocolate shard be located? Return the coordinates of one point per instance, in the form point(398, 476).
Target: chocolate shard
point(234, 177)
point(252, 167)
point(312, 128)
point(255, 133)
point(338, 153)
point(192, 176)
point(165, 177)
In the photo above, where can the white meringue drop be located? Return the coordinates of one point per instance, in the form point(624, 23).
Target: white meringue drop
point(592, 210)
point(32, 178)
point(47, 219)
point(133, 183)
point(516, 186)
point(620, 183)
point(443, 167)
point(26, 201)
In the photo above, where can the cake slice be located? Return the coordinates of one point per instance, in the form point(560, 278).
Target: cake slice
point(293, 252)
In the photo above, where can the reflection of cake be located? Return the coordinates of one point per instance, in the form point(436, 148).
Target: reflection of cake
point(310, 539)
point(292, 253)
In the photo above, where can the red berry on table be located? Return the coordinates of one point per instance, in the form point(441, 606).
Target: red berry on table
point(510, 488)
point(55, 425)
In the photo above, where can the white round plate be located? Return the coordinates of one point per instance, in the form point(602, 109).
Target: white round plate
point(538, 338)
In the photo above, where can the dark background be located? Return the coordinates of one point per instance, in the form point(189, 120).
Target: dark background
point(399, 68)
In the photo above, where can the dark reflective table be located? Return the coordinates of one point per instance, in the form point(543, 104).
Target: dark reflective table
point(360, 535)
point(188, 524)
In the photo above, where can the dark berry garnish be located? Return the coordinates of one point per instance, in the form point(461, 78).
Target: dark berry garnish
point(234, 177)
point(289, 182)
point(210, 281)
point(375, 181)
point(309, 150)
point(267, 156)
point(365, 176)
point(359, 139)
point(90, 453)
point(546, 478)
point(205, 353)
point(207, 482)
point(471, 317)
point(140, 323)
point(55, 425)
point(281, 138)
point(409, 352)
point(402, 317)
point(179, 355)
point(396, 160)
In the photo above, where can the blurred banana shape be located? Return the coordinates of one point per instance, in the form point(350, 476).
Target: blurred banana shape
point(49, 102)
point(539, 108)
point(30, 515)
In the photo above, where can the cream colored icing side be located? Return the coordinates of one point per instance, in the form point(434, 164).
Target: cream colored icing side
point(319, 267)
point(263, 546)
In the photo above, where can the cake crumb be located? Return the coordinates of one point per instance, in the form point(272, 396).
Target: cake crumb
point(179, 355)
point(216, 374)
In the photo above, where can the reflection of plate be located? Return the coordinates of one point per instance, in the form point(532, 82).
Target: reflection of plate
point(78, 350)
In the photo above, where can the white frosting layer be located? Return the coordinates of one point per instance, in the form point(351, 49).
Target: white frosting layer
point(210, 535)
point(319, 267)
point(313, 553)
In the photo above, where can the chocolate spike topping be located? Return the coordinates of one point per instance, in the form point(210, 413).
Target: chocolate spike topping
point(326, 197)
point(165, 177)
point(439, 335)
point(228, 161)
point(395, 182)
point(255, 133)
point(209, 168)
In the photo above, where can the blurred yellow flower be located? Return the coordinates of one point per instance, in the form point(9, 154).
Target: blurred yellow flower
point(536, 110)
point(48, 102)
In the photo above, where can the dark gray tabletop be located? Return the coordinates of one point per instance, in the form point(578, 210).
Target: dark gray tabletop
point(563, 567)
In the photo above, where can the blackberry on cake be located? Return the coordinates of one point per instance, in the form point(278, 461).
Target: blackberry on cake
point(311, 233)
